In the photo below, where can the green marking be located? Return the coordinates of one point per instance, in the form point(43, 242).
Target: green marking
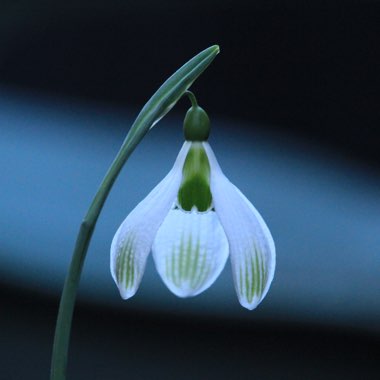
point(125, 264)
point(188, 256)
point(120, 266)
point(131, 263)
point(246, 284)
point(241, 279)
point(195, 185)
point(263, 274)
point(249, 278)
point(251, 271)
point(260, 266)
point(252, 282)
point(195, 263)
point(182, 253)
point(252, 287)
point(173, 268)
point(257, 274)
point(202, 275)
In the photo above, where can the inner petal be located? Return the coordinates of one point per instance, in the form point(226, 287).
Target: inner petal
point(195, 187)
point(190, 250)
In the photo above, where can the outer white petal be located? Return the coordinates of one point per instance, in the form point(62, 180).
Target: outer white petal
point(133, 240)
point(252, 249)
point(190, 251)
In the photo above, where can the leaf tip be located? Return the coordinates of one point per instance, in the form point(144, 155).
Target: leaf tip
point(216, 49)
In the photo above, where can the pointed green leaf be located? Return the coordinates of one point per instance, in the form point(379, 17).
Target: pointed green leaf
point(168, 95)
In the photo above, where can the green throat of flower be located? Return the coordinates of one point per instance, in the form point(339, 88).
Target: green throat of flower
point(195, 186)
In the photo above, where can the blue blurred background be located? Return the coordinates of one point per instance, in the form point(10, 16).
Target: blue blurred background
point(293, 98)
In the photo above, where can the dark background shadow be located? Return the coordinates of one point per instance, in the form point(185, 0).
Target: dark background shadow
point(307, 67)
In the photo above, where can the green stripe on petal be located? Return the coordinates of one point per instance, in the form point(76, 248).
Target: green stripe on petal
point(194, 263)
point(190, 250)
point(125, 264)
point(251, 275)
point(195, 186)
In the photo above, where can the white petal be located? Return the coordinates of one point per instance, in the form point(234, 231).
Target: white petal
point(190, 251)
point(134, 238)
point(252, 249)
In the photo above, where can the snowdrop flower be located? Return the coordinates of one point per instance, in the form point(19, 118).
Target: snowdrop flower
point(192, 221)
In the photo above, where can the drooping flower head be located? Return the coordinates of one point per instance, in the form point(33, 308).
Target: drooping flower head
point(192, 221)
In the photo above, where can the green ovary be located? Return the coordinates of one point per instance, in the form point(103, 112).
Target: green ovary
point(195, 187)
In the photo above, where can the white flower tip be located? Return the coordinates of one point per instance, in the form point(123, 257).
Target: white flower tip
point(126, 268)
point(126, 279)
point(126, 293)
point(254, 281)
point(185, 290)
point(250, 305)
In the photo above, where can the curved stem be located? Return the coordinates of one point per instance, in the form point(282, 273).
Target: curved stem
point(192, 98)
point(157, 107)
point(66, 307)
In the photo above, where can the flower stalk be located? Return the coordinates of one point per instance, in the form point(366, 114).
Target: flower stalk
point(156, 108)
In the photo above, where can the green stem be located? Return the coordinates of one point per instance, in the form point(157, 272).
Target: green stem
point(192, 98)
point(157, 107)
